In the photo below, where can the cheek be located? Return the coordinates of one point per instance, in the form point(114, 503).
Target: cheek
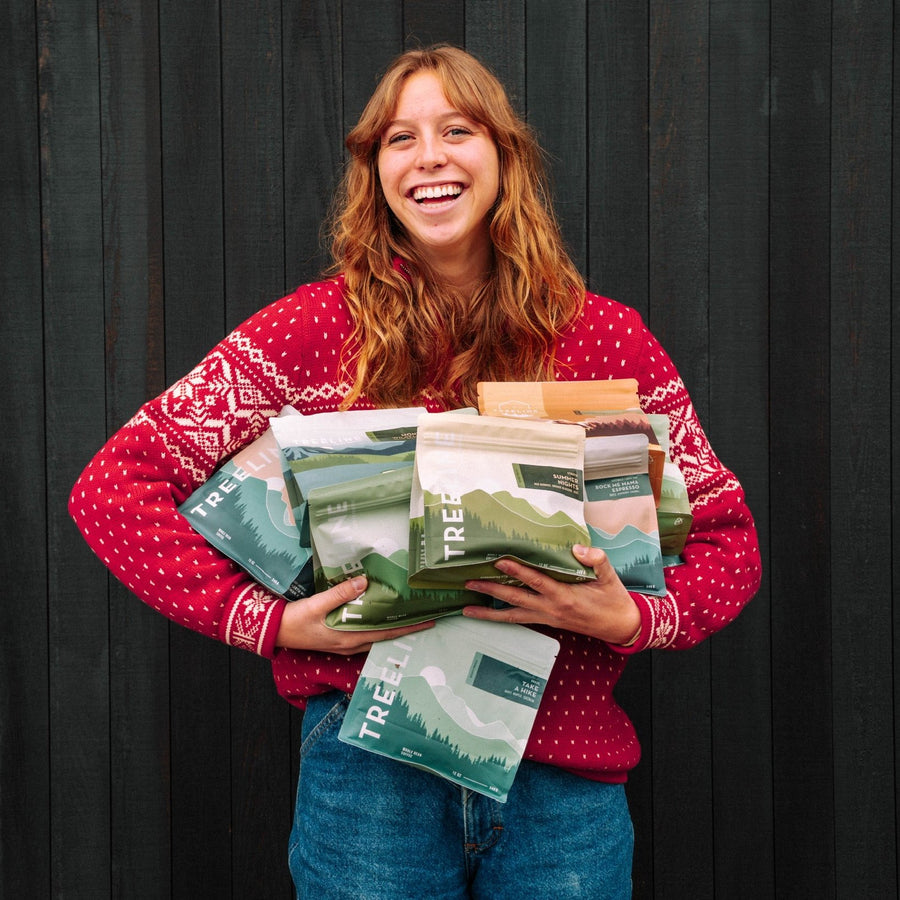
point(388, 185)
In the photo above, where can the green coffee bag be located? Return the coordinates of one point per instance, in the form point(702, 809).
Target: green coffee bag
point(362, 527)
point(365, 442)
point(673, 511)
point(489, 487)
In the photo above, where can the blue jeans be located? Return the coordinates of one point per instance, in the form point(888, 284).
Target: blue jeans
point(369, 828)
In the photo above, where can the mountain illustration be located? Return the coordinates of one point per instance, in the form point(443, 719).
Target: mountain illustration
point(258, 505)
point(627, 537)
point(461, 713)
point(503, 506)
point(636, 557)
point(498, 525)
point(460, 743)
point(324, 456)
point(251, 525)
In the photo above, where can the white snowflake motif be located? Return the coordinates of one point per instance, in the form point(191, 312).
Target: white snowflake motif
point(255, 602)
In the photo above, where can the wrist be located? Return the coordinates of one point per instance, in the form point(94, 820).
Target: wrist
point(634, 639)
point(631, 626)
point(291, 627)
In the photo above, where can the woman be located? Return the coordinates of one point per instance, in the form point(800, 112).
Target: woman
point(448, 270)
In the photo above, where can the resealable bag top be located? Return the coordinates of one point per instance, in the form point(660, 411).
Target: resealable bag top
point(557, 399)
point(362, 442)
point(487, 487)
point(604, 407)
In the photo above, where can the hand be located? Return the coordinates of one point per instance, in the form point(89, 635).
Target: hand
point(303, 623)
point(601, 608)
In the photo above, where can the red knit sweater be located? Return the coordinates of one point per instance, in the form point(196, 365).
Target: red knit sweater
point(125, 505)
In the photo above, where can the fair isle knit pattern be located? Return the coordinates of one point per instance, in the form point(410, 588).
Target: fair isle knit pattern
point(125, 504)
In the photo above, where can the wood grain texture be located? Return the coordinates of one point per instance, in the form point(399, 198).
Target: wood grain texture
point(799, 322)
point(861, 645)
point(79, 816)
point(740, 672)
point(24, 646)
point(726, 168)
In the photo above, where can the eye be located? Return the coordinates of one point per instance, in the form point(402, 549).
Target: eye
point(458, 131)
point(399, 138)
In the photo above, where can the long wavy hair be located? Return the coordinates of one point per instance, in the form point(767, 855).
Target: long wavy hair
point(413, 333)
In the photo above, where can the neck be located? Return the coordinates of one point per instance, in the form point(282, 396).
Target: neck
point(463, 273)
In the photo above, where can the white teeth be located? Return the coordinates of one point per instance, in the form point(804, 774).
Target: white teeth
point(440, 190)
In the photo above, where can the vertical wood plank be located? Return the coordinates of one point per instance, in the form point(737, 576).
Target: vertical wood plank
point(191, 141)
point(799, 242)
point(132, 272)
point(678, 315)
point(555, 77)
point(313, 131)
point(427, 22)
point(861, 589)
point(738, 425)
point(76, 425)
point(253, 157)
point(617, 136)
point(679, 202)
point(895, 402)
point(495, 33)
point(193, 242)
point(25, 861)
point(617, 266)
point(372, 35)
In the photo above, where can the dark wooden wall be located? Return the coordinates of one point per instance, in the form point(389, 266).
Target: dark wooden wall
point(726, 166)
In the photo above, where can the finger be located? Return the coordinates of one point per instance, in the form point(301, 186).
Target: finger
point(508, 593)
point(512, 615)
point(348, 643)
point(537, 581)
point(588, 556)
point(344, 592)
point(591, 558)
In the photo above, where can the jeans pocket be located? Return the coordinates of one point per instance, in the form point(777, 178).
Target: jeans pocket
point(324, 713)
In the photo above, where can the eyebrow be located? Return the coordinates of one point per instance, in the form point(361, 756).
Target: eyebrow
point(443, 116)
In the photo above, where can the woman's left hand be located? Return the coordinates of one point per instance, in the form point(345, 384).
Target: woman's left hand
point(601, 608)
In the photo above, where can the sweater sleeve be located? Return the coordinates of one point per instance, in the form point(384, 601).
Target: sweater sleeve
point(721, 570)
point(126, 501)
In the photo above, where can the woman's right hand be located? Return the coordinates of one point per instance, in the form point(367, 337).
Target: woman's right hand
point(303, 623)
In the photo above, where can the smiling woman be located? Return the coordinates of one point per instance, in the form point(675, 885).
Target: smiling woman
point(497, 286)
point(448, 270)
point(440, 173)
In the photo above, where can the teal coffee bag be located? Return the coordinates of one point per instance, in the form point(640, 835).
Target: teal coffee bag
point(362, 527)
point(458, 700)
point(243, 510)
point(488, 487)
point(620, 511)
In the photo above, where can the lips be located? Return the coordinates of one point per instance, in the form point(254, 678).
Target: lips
point(430, 192)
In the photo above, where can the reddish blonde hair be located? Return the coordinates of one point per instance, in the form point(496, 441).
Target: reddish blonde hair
point(412, 332)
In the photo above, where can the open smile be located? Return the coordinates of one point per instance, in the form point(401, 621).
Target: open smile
point(431, 193)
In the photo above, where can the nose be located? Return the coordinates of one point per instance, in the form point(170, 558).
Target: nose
point(432, 154)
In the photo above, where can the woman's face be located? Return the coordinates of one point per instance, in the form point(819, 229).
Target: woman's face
point(440, 173)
